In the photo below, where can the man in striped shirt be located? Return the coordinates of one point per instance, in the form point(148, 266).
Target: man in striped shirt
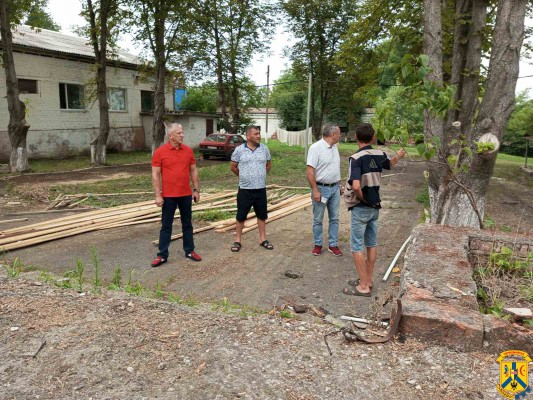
point(366, 166)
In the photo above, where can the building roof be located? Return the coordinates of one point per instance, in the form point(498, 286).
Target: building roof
point(56, 42)
point(254, 110)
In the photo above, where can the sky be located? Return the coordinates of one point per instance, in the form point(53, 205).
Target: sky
point(66, 14)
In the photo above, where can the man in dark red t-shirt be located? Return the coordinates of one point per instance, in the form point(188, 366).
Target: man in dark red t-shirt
point(173, 167)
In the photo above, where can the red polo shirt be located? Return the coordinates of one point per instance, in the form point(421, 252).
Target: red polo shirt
point(175, 169)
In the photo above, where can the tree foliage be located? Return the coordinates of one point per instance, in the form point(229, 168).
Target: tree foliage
point(224, 36)
point(319, 27)
point(161, 26)
point(520, 125)
point(38, 17)
point(201, 98)
point(289, 98)
point(12, 13)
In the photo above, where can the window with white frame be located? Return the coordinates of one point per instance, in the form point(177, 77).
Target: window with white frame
point(71, 96)
point(117, 99)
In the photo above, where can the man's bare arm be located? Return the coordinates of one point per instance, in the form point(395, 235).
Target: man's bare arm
point(156, 183)
point(268, 165)
point(195, 182)
point(394, 160)
point(312, 183)
point(235, 168)
point(356, 187)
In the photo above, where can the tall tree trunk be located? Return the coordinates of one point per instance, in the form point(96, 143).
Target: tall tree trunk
point(494, 112)
point(99, 35)
point(222, 99)
point(433, 126)
point(460, 200)
point(158, 128)
point(236, 119)
point(17, 127)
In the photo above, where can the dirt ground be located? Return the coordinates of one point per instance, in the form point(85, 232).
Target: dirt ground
point(254, 277)
point(117, 346)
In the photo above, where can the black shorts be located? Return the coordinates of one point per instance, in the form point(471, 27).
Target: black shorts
point(248, 198)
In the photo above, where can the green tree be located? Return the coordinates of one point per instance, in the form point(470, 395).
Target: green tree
point(226, 36)
point(319, 27)
point(162, 27)
point(289, 98)
point(38, 17)
point(520, 125)
point(202, 98)
point(103, 18)
point(12, 13)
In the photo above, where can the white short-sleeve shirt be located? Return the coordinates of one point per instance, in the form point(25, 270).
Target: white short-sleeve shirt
point(326, 161)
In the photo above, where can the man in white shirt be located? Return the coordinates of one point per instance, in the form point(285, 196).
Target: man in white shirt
point(324, 174)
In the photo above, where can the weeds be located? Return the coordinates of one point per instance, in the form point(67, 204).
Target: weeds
point(159, 293)
point(14, 270)
point(131, 287)
point(116, 280)
point(174, 298)
point(96, 264)
point(191, 301)
point(499, 278)
point(286, 314)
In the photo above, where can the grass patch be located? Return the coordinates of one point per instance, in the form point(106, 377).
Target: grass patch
point(505, 279)
point(423, 196)
point(212, 215)
point(71, 164)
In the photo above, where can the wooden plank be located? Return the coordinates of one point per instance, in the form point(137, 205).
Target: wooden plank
point(5, 221)
point(276, 217)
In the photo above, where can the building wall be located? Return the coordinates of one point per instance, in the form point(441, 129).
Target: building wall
point(273, 123)
point(194, 128)
point(57, 133)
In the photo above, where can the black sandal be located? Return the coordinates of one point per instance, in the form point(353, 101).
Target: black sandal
point(267, 245)
point(235, 247)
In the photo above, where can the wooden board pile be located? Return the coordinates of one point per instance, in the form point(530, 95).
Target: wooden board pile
point(282, 201)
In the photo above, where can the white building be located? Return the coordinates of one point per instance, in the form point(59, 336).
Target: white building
point(56, 79)
point(259, 115)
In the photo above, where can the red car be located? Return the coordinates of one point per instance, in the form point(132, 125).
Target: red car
point(220, 145)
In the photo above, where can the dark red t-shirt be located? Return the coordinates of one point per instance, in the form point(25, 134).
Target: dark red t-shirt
point(175, 166)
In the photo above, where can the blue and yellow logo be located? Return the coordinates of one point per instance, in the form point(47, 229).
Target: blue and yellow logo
point(513, 374)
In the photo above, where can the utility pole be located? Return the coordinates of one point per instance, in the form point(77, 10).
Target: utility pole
point(266, 122)
point(306, 135)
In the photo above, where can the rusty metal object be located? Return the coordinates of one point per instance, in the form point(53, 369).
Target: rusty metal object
point(396, 315)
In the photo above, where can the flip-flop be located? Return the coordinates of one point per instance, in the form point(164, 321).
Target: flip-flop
point(267, 245)
point(235, 247)
point(355, 292)
point(355, 282)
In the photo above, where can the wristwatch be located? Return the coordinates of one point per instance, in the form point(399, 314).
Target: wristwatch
point(196, 190)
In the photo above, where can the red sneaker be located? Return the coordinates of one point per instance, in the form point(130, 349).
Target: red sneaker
point(158, 261)
point(335, 250)
point(193, 256)
point(317, 250)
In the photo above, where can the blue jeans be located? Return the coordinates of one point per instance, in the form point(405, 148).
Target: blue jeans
point(333, 196)
point(167, 219)
point(364, 228)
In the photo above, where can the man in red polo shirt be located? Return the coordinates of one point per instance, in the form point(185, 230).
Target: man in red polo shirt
point(173, 167)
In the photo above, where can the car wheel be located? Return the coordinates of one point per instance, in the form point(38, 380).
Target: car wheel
point(206, 156)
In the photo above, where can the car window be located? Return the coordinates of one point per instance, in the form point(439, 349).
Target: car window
point(237, 139)
point(216, 138)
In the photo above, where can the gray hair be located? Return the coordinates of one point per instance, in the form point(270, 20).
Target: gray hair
point(329, 129)
point(249, 128)
point(170, 127)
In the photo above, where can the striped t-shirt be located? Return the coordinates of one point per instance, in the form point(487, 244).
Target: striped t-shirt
point(366, 166)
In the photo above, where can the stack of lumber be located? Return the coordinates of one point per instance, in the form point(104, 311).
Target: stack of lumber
point(282, 201)
point(283, 207)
